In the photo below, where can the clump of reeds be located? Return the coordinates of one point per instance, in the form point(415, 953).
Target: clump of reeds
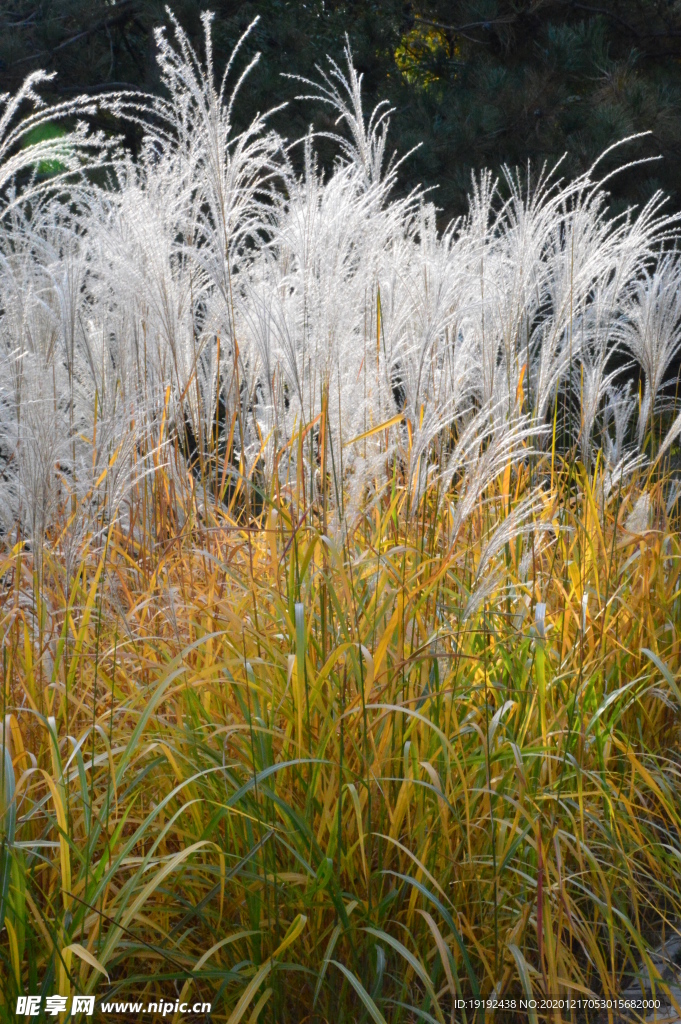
point(340, 579)
point(315, 780)
point(217, 294)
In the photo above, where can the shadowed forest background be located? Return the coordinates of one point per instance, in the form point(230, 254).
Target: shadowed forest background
point(476, 84)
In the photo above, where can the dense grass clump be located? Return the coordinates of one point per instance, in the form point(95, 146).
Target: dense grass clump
point(340, 575)
point(315, 780)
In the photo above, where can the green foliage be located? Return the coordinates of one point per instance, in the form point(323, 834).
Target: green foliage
point(46, 133)
point(304, 780)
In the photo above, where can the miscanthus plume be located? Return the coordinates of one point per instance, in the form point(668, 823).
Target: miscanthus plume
point(224, 303)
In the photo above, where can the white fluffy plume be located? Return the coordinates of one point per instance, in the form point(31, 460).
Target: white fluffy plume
point(215, 286)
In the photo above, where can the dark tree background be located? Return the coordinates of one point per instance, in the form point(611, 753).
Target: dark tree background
point(478, 82)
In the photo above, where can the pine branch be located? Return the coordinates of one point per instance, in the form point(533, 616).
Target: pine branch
point(124, 14)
